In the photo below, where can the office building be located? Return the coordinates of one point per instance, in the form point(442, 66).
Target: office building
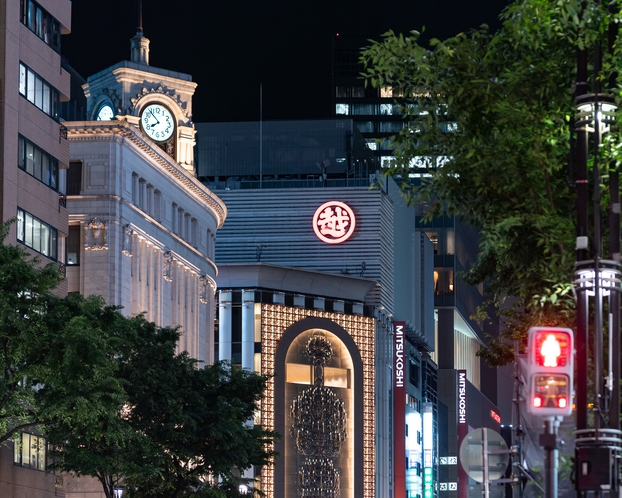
point(275, 256)
point(35, 156)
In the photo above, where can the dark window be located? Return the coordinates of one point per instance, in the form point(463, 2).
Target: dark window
point(236, 323)
point(414, 374)
point(74, 178)
point(73, 246)
point(38, 163)
point(40, 22)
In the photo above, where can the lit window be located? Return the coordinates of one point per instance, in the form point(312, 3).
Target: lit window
point(36, 234)
point(37, 91)
point(386, 92)
point(30, 451)
point(342, 109)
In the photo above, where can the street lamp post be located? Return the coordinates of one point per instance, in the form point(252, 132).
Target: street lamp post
point(598, 286)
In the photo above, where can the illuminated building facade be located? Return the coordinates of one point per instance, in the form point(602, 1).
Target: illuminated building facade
point(377, 116)
point(35, 156)
point(304, 229)
point(309, 330)
point(141, 226)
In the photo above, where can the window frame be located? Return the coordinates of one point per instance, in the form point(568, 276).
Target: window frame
point(53, 164)
point(32, 87)
point(41, 450)
point(29, 238)
point(41, 23)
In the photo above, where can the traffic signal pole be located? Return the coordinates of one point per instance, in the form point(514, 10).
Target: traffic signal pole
point(549, 439)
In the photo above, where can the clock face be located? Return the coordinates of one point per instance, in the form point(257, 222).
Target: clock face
point(105, 113)
point(157, 122)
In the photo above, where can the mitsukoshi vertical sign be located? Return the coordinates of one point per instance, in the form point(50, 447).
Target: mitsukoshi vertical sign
point(399, 410)
point(463, 429)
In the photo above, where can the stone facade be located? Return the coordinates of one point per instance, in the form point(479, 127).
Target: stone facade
point(146, 231)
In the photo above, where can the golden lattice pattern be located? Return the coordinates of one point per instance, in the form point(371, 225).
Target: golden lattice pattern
point(275, 319)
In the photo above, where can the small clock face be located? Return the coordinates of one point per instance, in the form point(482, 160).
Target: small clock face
point(105, 113)
point(157, 122)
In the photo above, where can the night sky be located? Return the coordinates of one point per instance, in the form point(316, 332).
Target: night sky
point(232, 47)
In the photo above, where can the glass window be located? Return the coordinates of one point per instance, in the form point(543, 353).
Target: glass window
point(365, 126)
point(341, 91)
point(73, 245)
point(22, 79)
point(386, 92)
point(30, 451)
point(40, 22)
point(46, 99)
point(364, 109)
point(450, 241)
point(20, 225)
point(74, 178)
point(391, 126)
point(21, 152)
point(37, 234)
point(433, 236)
point(358, 91)
point(30, 158)
point(32, 8)
point(443, 281)
point(30, 86)
point(38, 91)
point(342, 109)
point(38, 163)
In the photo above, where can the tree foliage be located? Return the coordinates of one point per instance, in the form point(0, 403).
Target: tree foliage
point(489, 120)
point(113, 396)
point(51, 365)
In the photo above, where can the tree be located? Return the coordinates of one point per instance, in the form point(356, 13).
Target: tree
point(110, 393)
point(53, 366)
point(507, 100)
point(182, 430)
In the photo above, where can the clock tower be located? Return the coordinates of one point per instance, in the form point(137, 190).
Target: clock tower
point(157, 101)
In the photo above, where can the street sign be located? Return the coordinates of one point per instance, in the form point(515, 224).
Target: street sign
point(484, 446)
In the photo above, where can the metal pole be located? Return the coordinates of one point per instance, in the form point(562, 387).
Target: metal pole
point(549, 441)
point(485, 480)
point(582, 251)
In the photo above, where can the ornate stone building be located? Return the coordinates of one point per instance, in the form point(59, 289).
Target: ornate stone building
point(142, 229)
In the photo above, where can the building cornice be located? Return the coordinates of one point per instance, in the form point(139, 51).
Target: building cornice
point(106, 130)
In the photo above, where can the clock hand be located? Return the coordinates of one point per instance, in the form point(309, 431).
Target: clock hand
point(157, 122)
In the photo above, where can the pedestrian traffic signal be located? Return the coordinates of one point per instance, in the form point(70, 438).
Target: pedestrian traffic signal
point(550, 371)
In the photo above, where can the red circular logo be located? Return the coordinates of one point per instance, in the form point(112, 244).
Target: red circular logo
point(334, 222)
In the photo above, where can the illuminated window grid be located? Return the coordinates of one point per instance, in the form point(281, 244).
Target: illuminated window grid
point(276, 319)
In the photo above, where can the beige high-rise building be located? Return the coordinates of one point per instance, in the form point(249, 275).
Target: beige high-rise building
point(34, 155)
